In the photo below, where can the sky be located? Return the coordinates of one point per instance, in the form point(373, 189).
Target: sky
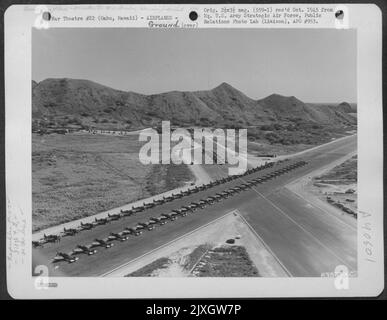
point(315, 65)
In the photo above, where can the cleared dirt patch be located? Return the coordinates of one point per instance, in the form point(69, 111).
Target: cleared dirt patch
point(226, 261)
point(149, 269)
point(192, 259)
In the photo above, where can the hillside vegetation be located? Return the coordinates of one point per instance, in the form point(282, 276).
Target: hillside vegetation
point(86, 104)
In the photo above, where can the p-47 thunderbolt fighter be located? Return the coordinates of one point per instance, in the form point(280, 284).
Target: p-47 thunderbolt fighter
point(117, 236)
point(101, 243)
point(50, 238)
point(101, 221)
point(86, 226)
point(60, 256)
point(70, 231)
point(115, 216)
point(84, 249)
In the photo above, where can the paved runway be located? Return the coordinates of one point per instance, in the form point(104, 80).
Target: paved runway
point(305, 239)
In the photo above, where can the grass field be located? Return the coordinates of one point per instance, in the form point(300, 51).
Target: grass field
point(346, 173)
point(166, 177)
point(309, 140)
point(78, 175)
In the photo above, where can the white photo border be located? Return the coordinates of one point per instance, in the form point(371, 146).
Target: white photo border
point(18, 21)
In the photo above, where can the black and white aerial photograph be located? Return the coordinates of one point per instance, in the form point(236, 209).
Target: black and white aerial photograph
point(194, 152)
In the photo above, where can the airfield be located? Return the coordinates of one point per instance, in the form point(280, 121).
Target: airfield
point(305, 239)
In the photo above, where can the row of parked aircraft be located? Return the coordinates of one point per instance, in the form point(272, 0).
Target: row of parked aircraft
point(124, 213)
point(172, 216)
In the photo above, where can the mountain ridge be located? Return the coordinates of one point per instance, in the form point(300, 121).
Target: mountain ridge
point(90, 104)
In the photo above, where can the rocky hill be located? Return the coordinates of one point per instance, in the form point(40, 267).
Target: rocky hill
point(83, 103)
